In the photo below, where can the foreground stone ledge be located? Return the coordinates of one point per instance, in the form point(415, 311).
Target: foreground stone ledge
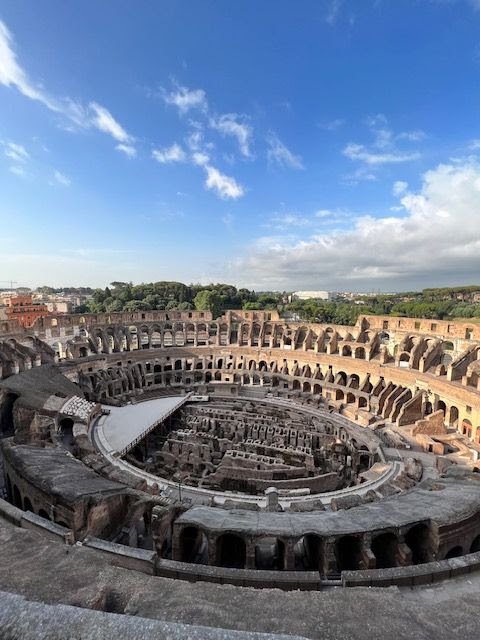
point(47, 528)
point(414, 575)
point(285, 580)
point(20, 618)
point(123, 556)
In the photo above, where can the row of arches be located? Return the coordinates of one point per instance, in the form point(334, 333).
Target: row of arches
point(311, 552)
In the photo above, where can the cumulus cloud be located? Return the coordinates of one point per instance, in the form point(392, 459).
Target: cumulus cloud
point(226, 187)
point(185, 99)
point(235, 125)
point(278, 154)
point(168, 155)
point(94, 115)
point(437, 239)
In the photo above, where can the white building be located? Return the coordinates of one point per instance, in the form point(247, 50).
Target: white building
point(309, 295)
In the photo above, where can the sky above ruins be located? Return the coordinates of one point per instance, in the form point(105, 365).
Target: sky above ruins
point(324, 144)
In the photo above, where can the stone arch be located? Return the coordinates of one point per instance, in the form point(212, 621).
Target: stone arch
point(347, 553)
point(231, 551)
point(385, 549)
point(27, 505)
point(193, 546)
point(360, 353)
point(467, 428)
point(453, 416)
point(269, 554)
point(309, 553)
point(43, 514)
point(454, 552)
point(418, 539)
point(17, 498)
point(475, 546)
point(65, 428)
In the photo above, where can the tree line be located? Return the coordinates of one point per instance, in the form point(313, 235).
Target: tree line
point(441, 303)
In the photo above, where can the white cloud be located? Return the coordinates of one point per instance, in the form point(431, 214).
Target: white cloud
point(127, 149)
point(61, 178)
point(383, 150)
point(333, 11)
point(12, 74)
point(233, 124)
point(474, 145)
point(332, 125)
point(103, 120)
point(436, 240)
point(18, 171)
point(95, 115)
point(185, 99)
point(399, 188)
point(200, 159)
point(168, 155)
point(226, 187)
point(15, 152)
point(279, 154)
point(360, 152)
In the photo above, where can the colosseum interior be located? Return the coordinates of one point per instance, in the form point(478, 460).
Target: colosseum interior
point(242, 473)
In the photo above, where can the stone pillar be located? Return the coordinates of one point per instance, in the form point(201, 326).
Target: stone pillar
point(272, 499)
point(289, 562)
point(250, 553)
point(329, 563)
point(367, 557)
point(212, 550)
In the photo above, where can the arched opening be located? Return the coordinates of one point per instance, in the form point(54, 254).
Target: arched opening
point(269, 554)
point(385, 549)
point(475, 545)
point(347, 553)
point(467, 428)
point(66, 433)
point(441, 406)
point(83, 352)
point(309, 553)
point(17, 499)
point(27, 505)
point(346, 350)
point(428, 408)
point(362, 403)
point(193, 546)
point(296, 385)
point(360, 353)
point(307, 387)
point(43, 514)
point(454, 552)
point(7, 427)
point(231, 551)
point(418, 539)
point(156, 339)
point(453, 416)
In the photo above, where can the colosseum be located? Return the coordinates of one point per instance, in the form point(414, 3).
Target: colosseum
point(241, 475)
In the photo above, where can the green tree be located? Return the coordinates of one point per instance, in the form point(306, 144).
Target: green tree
point(208, 300)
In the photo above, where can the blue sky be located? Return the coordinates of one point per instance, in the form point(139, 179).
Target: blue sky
point(328, 144)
